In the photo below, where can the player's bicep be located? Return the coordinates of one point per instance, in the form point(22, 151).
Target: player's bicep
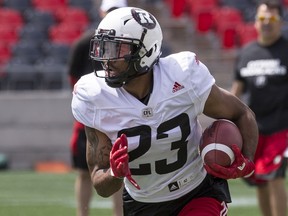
point(222, 104)
point(98, 149)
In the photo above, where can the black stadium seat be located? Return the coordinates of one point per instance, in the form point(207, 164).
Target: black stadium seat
point(56, 50)
point(27, 49)
point(21, 75)
point(39, 18)
point(36, 33)
point(85, 4)
point(20, 5)
point(53, 73)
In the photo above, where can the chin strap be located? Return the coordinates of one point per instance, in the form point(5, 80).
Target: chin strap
point(122, 80)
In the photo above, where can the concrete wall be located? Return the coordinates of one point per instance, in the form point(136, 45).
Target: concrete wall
point(35, 126)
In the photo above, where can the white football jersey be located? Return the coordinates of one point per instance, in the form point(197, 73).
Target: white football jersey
point(163, 136)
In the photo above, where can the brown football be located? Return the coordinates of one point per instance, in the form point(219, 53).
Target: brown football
point(216, 141)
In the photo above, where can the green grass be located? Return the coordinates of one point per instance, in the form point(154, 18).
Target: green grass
point(26, 193)
point(41, 194)
point(244, 200)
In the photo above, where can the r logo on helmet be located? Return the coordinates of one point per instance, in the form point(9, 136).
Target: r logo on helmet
point(144, 18)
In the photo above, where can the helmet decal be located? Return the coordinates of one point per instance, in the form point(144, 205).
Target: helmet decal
point(144, 18)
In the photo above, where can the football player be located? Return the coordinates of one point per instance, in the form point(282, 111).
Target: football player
point(140, 115)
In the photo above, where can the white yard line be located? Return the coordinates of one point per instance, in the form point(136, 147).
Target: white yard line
point(106, 204)
point(70, 202)
point(243, 201)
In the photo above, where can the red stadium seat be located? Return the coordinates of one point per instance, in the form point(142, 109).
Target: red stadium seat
point(49, 5)
point(201, 12)
point(246, 33)
point(226, 16)
point(177, 7)
point(8, 34)
point(73, 15)
point(194, 5)
point(226, 20)
point(64, 33)
point(12, 17)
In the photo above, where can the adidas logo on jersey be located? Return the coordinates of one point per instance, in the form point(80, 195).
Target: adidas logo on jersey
point(177, 87)
point(173, 186)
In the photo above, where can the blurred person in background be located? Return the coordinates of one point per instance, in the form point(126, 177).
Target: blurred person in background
point(261, 75)
point(79, 65)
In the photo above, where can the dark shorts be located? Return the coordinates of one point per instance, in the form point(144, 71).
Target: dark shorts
point(211, 187)
point(78, 149)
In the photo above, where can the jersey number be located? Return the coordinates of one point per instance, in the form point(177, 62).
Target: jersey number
point(144, 132)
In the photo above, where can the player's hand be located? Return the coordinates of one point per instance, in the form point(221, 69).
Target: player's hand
point(119, 159)
point(241, 168)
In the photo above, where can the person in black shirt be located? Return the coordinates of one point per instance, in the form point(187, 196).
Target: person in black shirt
point(261, 74)
point(79, 65)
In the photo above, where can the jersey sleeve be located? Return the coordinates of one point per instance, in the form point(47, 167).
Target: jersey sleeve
point(201, 81)
point(82, 107)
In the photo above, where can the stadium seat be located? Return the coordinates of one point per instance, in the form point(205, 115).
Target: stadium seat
point(21, 75)
point(84, 4)
point(53, 73)
point(37, 33)
point(72, 16)
point(239, 4)
point(20, 5)
point(177, 7)
point(8, 34)
point(201, 12)
point(28, 50)
point(3, 78)
point(39, 18)
point(12, 17)
point(49, 5)
point(5, 53)
point(225, 21)
point(194, 5)
point(64, 33)
point(245, 33)
point(249, 14)
point(59, 51)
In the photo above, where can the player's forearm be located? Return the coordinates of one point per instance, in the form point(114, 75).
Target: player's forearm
point(248, 126)
point(105, 184)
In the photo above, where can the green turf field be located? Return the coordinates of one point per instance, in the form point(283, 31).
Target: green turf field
point(26, 193)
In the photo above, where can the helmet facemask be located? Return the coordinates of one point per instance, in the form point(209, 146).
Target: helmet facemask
point(105, 47)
